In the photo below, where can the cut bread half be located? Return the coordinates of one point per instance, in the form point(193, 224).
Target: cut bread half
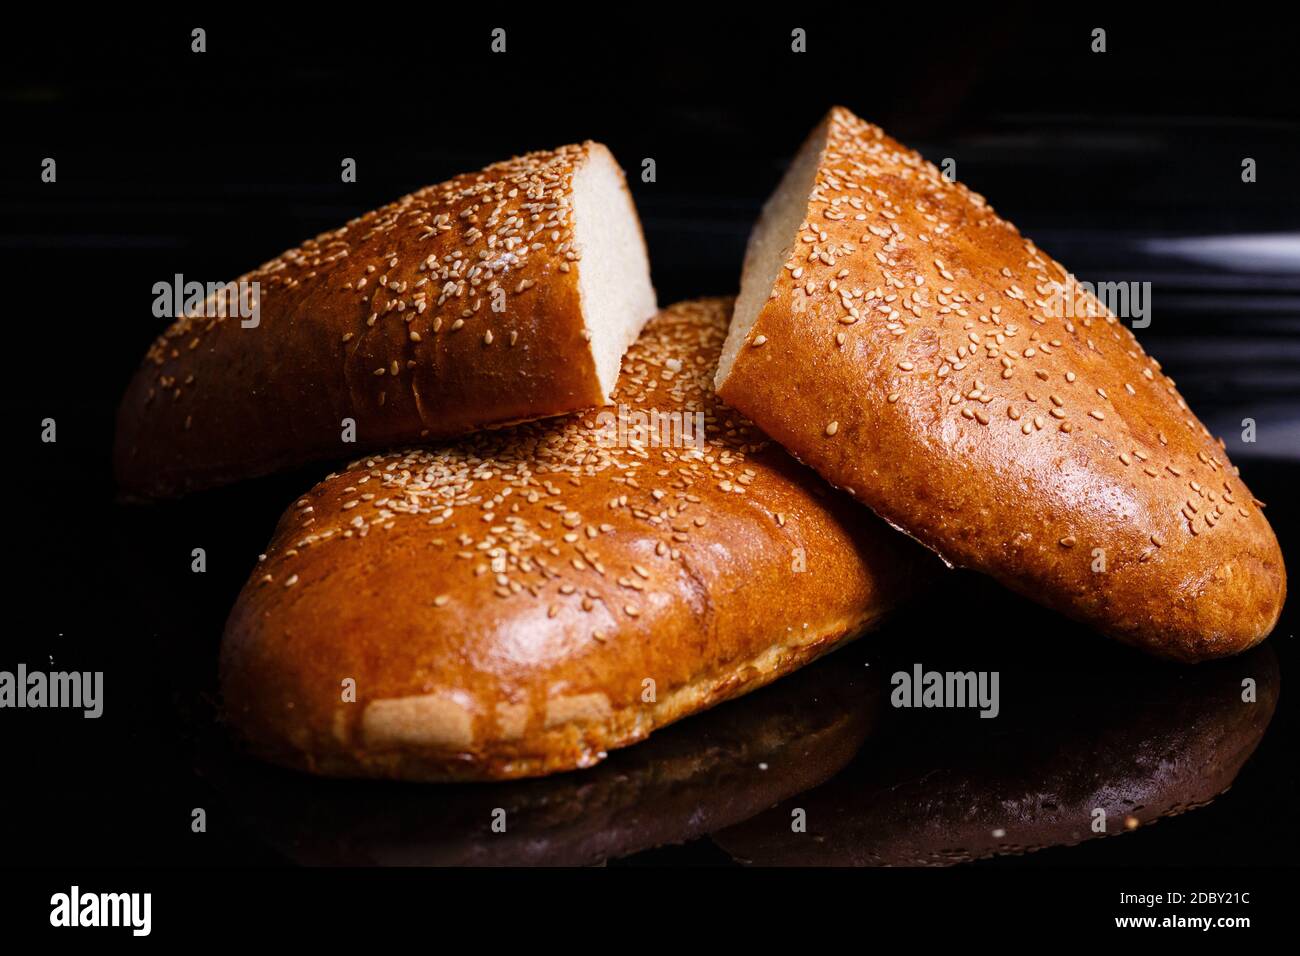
point(896, 335)
point(503, 295)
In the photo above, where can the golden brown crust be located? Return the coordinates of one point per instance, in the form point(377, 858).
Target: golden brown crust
point(912, 354)
point(503, 602)
point(388, 321)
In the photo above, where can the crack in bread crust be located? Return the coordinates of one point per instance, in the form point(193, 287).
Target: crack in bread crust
point(578, 744)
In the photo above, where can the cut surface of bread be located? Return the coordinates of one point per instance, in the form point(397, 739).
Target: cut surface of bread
point(524, 600)
point(499, 296)
point(771, 244)
point(614, 273)
point(918, 352)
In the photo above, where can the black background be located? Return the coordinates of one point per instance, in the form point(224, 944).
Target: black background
point(210, 164)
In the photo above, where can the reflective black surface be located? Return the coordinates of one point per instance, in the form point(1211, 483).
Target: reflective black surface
point(1100, 747)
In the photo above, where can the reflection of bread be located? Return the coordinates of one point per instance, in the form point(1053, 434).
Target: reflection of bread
point(686, 781)
point(503, 603)
point(501, 295)
point(959, 788)
point(896, 335)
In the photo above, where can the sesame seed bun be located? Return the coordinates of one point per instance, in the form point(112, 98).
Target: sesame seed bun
point(499, 296)
point(912, 347)
point(525, 600)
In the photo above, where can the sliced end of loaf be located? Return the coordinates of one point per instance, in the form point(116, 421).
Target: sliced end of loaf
point(614, 270)
point(770, 243)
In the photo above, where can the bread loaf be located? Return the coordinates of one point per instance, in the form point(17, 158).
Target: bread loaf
point(525, 600)
point(498, 296)
point(912, 347)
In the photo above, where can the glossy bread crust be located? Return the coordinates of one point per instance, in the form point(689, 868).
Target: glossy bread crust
point(920, 353)
point(451, 309)
point(522, 601)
